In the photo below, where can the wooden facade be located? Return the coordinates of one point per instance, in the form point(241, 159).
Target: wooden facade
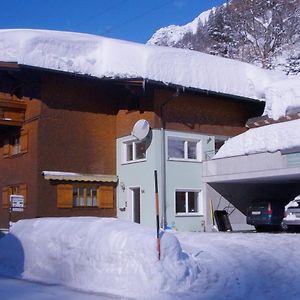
point(62, 122)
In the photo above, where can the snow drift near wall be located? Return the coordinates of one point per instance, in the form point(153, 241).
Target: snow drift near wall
point(96, 254)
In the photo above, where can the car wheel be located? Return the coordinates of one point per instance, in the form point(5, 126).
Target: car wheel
point(283, 227)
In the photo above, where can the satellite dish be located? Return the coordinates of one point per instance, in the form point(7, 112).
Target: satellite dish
point(141, 129)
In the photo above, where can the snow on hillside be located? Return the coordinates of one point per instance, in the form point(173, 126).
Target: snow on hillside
point(174, 33)
point(96, 254)
point(110, 58)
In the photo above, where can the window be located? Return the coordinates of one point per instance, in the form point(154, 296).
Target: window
point(184, 149)
point(15, 145)
point(85, 195)
point(135, 151)
point(187, 202)
point(13, 190)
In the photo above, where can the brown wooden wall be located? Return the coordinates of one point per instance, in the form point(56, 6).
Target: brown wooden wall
point(21, 169)
point(76, 134)
point(74, 122)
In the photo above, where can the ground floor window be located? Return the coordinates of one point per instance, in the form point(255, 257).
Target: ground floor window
point(85, 195)
point(20, 189)
point(187, 202)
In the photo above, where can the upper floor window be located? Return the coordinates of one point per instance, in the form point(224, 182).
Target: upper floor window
point(184, 149)
point(134, 151)
point(17, 144)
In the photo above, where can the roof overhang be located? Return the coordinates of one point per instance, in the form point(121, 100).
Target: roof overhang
point(9, 66)
point(68, 176)
point(141, 82)
point(265, 120)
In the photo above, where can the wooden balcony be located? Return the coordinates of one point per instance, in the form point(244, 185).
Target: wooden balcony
point(12, 112)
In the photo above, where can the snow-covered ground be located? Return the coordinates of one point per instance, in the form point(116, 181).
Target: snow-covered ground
point(227, 265)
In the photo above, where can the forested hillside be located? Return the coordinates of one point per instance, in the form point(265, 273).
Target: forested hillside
point(262, 32)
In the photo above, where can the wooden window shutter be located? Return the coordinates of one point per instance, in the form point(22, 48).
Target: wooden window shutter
point(24, 141)
point(5, 197)
point(6, 148)
point(23, 192)
point(105, 197)
point(64, 196)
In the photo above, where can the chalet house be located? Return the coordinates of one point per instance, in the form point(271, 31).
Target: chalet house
point(68, 103)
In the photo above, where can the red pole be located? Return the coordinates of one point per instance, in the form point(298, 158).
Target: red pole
point(157, 215)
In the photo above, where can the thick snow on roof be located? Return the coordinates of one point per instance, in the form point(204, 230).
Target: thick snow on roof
point(98, 255)
point(104, 57)
point(283, 97)
point(271, 138)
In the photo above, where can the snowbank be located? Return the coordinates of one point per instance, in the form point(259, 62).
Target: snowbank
point(95, 254)
point(269, 138)
point(110, 58)
point(283, 97)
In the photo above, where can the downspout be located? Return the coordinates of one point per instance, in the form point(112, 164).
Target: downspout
point(163, 159)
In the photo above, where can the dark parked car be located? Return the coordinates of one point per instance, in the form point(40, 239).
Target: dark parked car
point(265, 215)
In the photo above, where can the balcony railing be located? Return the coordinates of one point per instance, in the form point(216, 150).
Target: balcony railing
point(12, 112)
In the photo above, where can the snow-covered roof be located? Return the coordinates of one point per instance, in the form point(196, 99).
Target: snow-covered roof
point(283, 97)
point(271, 138)
point(110, 58)
point(56, 175)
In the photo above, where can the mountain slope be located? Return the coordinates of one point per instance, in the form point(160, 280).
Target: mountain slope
point(262, 32)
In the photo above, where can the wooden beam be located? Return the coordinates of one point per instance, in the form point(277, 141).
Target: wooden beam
point(10, 123)
point(14, 66)
point(13, 104)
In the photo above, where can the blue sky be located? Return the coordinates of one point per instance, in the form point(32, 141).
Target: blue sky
point(134, 20)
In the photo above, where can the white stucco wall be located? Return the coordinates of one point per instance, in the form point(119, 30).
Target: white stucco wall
point(185, 175)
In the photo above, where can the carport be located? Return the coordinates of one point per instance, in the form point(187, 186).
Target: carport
point(262, 176)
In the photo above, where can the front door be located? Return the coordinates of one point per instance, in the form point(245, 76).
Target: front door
point(135, 200)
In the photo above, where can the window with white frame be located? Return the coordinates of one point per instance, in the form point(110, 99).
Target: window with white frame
point(187, 202)
point(134, 151)
point(184, 149)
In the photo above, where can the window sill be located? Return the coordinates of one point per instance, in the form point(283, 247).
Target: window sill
point(14, 155)
point(134, 161)
point(184, 160)
point(85, 207)
point(188, 215)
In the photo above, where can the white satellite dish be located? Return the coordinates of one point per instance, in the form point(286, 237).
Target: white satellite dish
point(141, 129)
